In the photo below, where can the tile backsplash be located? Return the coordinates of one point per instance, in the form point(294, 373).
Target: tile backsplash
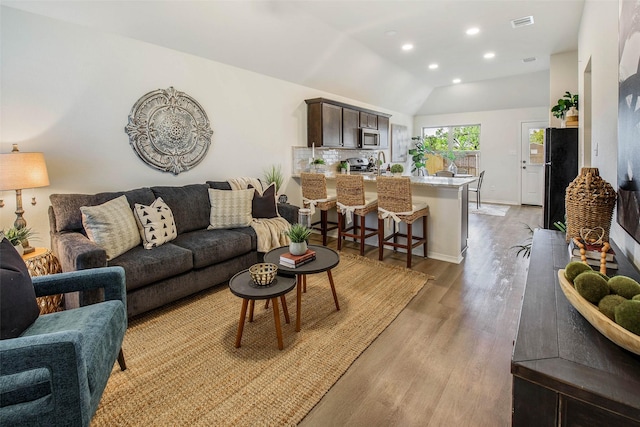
point(302, 157)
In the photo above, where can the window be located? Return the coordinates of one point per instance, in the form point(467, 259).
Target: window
point(458, 144)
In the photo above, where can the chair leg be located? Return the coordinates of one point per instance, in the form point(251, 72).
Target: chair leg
point(363, 229)
point(409, 244)
point(479, 203)
point(340, 229)
point(424, 233)
point(121, 361)
point(323, 226)
point(380, 238)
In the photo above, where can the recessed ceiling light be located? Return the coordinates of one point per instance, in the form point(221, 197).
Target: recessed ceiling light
point(522, 22)
point(489, 55)
point(433, 66)
point(456, 81)
point(391, 33)
point(407, 46)
point(473, 31)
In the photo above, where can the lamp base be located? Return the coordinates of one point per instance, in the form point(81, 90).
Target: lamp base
point(27, 250)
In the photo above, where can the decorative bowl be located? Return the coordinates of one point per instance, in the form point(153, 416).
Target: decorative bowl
point(263, 273)
point(610, 329)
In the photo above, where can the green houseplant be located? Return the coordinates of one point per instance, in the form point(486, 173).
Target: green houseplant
point(397, 168)
point(274, 174)
point(564, 104)
point(298, 234)
point(418, 154)
point(18, 235)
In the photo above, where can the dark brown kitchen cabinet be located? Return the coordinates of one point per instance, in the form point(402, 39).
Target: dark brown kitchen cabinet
point(368, 120)
point(336, 124)
point(383, 128)
point(350, 129)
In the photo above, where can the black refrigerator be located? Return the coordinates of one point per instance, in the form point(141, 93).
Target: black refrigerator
point(561, 167)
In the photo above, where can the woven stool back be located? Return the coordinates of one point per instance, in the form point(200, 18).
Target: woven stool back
point(314, 186)
point(350, 189)
point(394, 193)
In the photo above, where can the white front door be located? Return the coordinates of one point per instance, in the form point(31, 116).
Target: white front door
point(532, 166)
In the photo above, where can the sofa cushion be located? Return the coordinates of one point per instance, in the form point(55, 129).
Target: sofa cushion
point(189, 204)
point(219, 185)
point(66, 207)
point(18, 306)
point(264, 203)
point(230, 209)
point(101, 326)
point(111, 226)
point(214, 246)
point(143, 267)
point(155, 223)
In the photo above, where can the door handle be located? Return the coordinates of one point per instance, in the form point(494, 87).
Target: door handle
point(524, 167)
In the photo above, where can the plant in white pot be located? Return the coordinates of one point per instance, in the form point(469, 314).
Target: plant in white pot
point(18, 235)
point(298, 234)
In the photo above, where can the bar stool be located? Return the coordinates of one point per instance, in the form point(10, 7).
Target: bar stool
point(394, 201)
point(314, 196)
point(353, 204)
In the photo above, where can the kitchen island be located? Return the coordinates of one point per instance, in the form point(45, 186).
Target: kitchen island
point(448, 220)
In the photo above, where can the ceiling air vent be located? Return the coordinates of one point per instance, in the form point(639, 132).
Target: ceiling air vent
point(529, 59)
point(522, 22)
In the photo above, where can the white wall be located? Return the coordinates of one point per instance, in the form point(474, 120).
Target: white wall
point(563, 77)
point(67, 91)
point(500, 146)
point(599, 44)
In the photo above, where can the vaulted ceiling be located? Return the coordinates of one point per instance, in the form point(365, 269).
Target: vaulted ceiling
point(348, 47)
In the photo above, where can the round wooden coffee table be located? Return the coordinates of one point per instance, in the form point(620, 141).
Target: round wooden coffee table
point(242, 286)
point(326, 259)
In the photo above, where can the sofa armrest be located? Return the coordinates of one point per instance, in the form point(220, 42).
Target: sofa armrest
point(288, 212)
point(111, 279)
point(76, 252)
point(57, 357)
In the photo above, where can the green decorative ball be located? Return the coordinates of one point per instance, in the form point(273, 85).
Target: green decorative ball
point(628, 316)
point(624, 286)
point(591, 286)
point(574, 268)
point(608, 304)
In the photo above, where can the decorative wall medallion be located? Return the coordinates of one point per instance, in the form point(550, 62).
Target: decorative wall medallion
point(169, 130)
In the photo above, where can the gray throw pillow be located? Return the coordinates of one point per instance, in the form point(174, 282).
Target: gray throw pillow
point(18, 305)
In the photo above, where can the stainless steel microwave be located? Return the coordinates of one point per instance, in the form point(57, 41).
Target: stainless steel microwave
point(369, 138)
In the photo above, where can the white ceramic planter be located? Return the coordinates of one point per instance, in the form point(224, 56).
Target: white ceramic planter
point(298, 248)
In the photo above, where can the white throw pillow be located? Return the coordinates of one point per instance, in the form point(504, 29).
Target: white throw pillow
point(156, 223)
point(111, 226)
point(230, 209)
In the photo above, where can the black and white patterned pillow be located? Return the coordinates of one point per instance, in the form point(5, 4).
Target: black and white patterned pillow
point(156, 223)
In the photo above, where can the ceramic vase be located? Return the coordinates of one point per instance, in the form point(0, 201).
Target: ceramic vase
point(19, 248)
point(298, 248)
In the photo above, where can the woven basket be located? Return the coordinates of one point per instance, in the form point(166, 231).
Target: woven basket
point(589, 203)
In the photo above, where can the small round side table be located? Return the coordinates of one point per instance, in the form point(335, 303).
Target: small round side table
point(40, 263)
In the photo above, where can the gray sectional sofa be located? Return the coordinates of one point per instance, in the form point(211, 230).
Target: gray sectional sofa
point(197, 259)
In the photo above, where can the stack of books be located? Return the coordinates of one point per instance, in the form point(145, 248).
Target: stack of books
point(293, 261)
point(593, 254)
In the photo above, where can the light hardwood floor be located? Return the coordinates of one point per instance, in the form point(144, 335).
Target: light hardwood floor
point(445, 360)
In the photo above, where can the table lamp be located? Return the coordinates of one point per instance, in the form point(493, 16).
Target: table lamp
point(18, 171)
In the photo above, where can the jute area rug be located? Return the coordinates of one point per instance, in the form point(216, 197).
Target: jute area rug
point(183, 368)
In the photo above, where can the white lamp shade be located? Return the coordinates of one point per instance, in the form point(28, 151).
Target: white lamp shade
point(22, 170)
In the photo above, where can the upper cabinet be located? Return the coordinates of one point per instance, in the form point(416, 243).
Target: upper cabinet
point(335, 124)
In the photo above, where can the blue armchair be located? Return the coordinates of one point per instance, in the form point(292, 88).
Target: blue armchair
point(55, 372)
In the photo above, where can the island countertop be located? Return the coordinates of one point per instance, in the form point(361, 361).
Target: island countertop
point(430, 181)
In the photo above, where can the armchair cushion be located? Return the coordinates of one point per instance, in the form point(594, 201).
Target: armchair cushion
point(18, 306)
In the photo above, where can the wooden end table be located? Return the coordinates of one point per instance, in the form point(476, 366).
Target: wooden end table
point(40, 263)
point(242, 286)
point(326, 259)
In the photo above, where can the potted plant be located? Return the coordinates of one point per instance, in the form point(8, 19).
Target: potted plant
point(451, 156)
point(397, 169)
point(274, 174)
point(343, 166)
point(17, 236)
point(298, 234)
point(318, 164)
point(422, 147)
point(566, 103)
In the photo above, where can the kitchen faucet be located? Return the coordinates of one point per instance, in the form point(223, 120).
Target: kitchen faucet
point(379, 163)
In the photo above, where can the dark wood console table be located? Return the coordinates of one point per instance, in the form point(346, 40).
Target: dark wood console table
point(565, 373)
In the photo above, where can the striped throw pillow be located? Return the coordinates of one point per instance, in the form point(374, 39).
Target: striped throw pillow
point(230, 209)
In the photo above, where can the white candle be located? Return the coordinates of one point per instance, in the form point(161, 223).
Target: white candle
point(313, 150)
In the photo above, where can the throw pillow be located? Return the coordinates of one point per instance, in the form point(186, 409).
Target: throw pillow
point(18, 306)
point(264, 203)
point(230, 209)
point(155, 223)
point(111, 226)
